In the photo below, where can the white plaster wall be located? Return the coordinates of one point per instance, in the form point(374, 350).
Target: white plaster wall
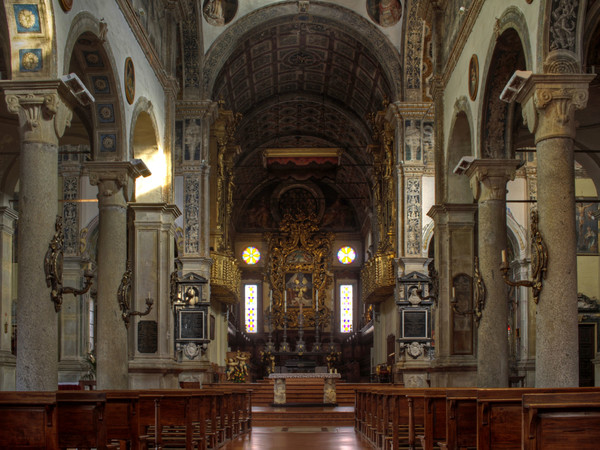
point(479, 43)
point(211, 32)
point(122, 43)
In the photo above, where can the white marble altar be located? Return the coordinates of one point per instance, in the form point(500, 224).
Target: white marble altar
point(279, 386)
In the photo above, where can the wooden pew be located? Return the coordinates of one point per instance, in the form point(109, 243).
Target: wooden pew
point(122, 413)
point(461, 419)
point(165, 417)
point(499, 415)
point(561, 421)
point(28, 420)
point(435, 417)
point(81, 423)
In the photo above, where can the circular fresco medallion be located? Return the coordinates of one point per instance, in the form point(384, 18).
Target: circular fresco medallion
point(473, 77)
point(30, 61)
point(26, 18)
point(385, 13)
point(219, 12)
point(129, 81)
point(66, 5)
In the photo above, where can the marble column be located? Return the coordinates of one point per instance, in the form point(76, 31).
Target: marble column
point(115, 181)
point(7, 359)
point(43, 117)
point(488, 180)
point(549, 103)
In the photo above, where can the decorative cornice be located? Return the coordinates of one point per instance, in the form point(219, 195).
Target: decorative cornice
point(412, 110)
point(197, 109)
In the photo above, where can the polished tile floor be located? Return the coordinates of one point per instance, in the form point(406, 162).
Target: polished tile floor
point(299, 438)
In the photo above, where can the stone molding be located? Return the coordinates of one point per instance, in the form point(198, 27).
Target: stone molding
point(550, 101)
point(488, 177)
point(43, 111)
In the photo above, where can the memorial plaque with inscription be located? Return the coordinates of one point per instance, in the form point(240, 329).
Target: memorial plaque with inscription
point(414, 324)
point(192, 325)
point(147, 336)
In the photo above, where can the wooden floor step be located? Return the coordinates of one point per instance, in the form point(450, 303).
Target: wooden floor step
point(302, 416)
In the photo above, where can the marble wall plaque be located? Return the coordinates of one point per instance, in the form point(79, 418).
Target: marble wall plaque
point(147, 336)
point(414, 324)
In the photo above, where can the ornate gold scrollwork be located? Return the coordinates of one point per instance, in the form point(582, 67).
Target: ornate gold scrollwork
point(378, 277)
point(300, 248)
point(53, 267)
point(225, 278)
point(539, 261)
point(124, 297)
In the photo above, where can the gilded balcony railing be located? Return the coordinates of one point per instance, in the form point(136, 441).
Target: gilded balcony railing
point(378, 278)
point(225, 278)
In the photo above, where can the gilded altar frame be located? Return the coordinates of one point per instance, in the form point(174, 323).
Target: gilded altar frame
point(299, 273)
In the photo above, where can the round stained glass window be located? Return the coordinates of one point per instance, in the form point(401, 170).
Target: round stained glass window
point(251, 255)
point(346, 255)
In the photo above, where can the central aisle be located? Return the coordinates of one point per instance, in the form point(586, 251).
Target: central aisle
point(301, 438)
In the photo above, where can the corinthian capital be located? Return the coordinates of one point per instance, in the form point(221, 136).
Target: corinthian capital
point(488, 177)
point(549, 102)
point(43, 114)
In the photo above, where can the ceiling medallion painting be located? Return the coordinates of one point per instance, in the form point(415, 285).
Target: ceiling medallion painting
point(386, 13)
point(473, 77)
point(66, 5)
point(129, 81)
point(219, 12)
point(299, 272)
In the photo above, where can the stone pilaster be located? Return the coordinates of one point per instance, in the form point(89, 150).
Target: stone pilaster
point(549, 103)
point(454, 250)
point(488, 180)
point(115, 181)
point(153, 241)
point(43, 117)
point(7, 361)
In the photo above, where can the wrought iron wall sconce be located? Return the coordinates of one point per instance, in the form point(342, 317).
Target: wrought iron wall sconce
point(539, 261)
point(124, 297)
point(480, 295)
point(53, 267)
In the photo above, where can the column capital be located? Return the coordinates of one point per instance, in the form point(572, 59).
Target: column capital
point(549, 102)
point(44, 109)
point(409, 110)
point(112, 176)
point(455, 213)
point(7, 218)
point(488, 177)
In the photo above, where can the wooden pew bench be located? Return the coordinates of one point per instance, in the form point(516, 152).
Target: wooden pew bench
point(81, 420)
point(561, 421)
point(28, 420)
point(461, 419)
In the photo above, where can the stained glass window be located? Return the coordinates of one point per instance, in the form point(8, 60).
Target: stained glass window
point(250, 292)
point(346, 298)
point(346, 255)
point(251, 255)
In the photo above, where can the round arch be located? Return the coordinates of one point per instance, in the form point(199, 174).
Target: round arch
point(87, 52)
point(460, 144)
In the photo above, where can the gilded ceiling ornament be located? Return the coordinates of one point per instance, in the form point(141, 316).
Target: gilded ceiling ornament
point(30, 61)
point(26, 18)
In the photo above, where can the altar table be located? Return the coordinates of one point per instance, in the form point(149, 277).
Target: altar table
point(329, 393)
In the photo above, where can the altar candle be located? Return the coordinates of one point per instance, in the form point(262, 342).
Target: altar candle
point(503, 256)
point(453, 293)
point(285, 301)
point(317, 299)
point(271, 300)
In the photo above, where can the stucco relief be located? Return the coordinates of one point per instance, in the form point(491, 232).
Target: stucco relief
point(192, 215)
point(563, 24)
